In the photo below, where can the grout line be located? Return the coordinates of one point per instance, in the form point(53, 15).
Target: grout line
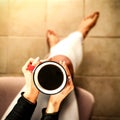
point(22, 36)
point(76, 76)
point(105, 76)
point(6, 74)
point(43, 36)
point(102, 117)
point(103, 37)
point(46, 14)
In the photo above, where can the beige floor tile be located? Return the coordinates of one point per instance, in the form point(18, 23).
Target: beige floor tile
point(4, 17)
point(101, 57)
point(64, 16)
point(105, 118)
point(109, 21)
point(3, 54)
point(21, 49)
point(27, 17)
point(106, 91)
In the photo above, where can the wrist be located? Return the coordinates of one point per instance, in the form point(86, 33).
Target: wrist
point(31, 96)
point(53, 107)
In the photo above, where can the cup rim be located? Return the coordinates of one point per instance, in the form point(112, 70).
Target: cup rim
point(40, 88)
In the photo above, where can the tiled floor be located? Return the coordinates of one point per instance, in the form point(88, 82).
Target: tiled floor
point(23, 25)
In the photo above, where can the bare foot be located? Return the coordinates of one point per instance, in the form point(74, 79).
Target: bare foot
point(88, 23)
point(52, 38)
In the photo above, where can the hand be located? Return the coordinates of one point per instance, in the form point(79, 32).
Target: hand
point(31, 92)
point(55, 100)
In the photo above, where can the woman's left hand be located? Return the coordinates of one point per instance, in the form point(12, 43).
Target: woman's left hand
point(31, 92)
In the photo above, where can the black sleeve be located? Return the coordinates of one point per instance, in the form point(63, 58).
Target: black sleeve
point(49, 116)
point(23, 110)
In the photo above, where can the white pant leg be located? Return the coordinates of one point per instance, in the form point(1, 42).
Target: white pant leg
point(70, 47)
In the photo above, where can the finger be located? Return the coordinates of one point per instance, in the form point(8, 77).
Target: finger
point(36, 61)
point(65, 67)
point(44, 60)
point(68, 88)
point(30, 60)
point(69, 84)
point(69, 78)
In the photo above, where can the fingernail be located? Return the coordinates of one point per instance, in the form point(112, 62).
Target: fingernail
point(36, 60)
point(69, 77)
point(44, 60)
point(60, 61)
point(64, 62)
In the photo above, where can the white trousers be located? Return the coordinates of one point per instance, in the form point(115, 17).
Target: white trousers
point(70, 47)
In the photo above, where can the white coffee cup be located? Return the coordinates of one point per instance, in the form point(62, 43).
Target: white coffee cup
point(49, 77)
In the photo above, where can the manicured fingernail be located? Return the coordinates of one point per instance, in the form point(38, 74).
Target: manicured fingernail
point(69, 77)
point(36, 60)
point(63, 62)
point(60, 61)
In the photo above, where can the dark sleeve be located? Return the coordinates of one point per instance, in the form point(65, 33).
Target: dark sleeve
point(49, 116)
point(23, 110)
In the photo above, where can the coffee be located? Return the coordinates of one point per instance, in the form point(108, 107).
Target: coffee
point(50, 77)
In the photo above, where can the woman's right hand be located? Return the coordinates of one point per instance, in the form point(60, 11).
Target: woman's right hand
point(56, 99)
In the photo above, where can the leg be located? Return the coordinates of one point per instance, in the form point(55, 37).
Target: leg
point(71, 46)
point(52, 38)
point(88, 23)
